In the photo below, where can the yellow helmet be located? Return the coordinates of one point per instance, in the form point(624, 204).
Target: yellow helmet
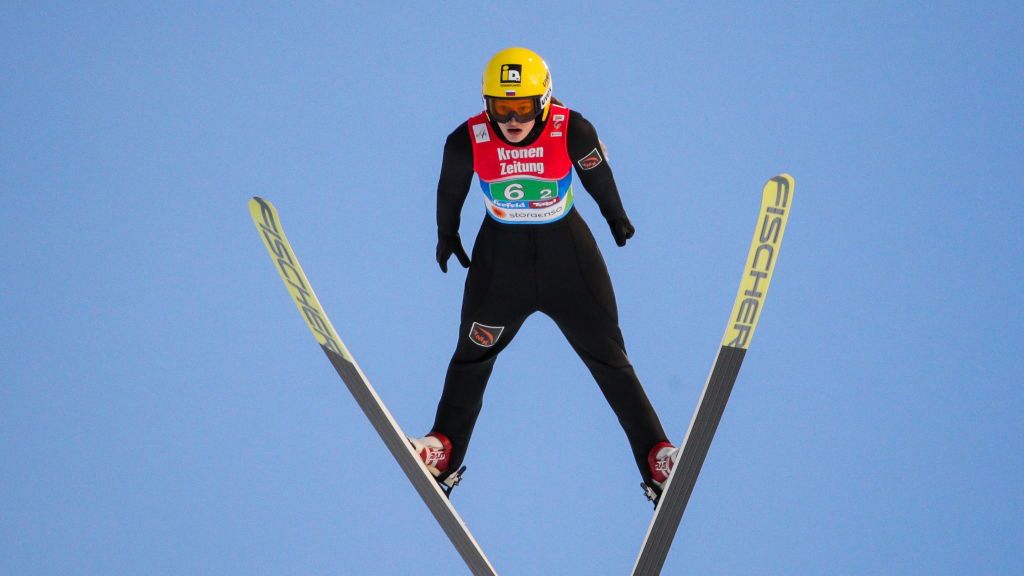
point(517, 73)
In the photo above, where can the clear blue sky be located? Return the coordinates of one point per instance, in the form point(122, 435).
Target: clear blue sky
point(163, 410)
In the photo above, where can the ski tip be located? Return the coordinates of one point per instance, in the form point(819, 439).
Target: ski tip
point(258, 206)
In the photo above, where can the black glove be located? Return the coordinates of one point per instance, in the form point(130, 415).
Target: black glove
point(448, 244)
point(622, 230)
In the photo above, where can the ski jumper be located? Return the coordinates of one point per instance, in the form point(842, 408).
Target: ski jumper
point(535, 253)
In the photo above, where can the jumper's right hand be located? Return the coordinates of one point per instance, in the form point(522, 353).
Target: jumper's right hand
point(448, 244)
point(622, 230)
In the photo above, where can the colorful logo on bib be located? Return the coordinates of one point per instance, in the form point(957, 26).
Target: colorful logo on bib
point(485, 336)
point(523, 190)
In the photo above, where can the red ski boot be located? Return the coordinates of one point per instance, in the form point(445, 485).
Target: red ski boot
point(435, 450)
point(661, 459)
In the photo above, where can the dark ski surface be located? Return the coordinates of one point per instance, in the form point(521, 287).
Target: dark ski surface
point(761, 260)
point(265, 217)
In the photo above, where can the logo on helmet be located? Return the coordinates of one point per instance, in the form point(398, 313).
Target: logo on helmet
point(511, 73)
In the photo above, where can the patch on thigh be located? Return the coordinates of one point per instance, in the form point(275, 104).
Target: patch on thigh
point(485, 336)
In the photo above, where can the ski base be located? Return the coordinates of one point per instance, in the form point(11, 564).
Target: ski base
point(265, 217)
point(670, 504)
point(677, 489)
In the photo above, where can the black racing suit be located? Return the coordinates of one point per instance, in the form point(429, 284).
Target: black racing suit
point(519, 269)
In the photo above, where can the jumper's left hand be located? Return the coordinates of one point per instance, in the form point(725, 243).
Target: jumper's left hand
point(622, 230)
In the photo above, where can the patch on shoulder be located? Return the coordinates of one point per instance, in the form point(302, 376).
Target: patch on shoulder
point(591, 161)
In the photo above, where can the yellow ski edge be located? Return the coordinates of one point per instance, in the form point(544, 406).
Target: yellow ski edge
point(267, 222)
point(776, 201)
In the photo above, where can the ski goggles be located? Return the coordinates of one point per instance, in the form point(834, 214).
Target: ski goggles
point(504, 109)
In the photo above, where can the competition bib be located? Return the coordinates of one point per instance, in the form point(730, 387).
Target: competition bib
point(524, 184)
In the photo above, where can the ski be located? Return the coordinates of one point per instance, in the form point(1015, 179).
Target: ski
point(776, 199)
point(268, 223)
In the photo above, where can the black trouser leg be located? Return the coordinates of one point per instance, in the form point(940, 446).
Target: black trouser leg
point(589, 320)
point(606, 359)
point(464, 385)
point(497, 300)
